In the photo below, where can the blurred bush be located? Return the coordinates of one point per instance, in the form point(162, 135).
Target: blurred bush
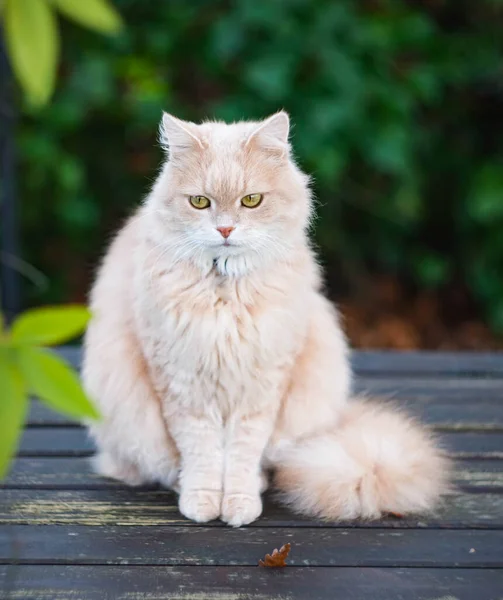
point(398, 112)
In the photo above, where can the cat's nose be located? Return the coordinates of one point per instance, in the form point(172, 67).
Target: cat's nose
point(225, 231)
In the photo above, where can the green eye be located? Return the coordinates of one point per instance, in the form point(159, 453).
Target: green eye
point(199, 201)
point(252, 200)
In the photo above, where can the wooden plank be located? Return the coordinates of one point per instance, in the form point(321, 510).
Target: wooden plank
point(73, 354)
point(62, 441)
point(420, 389)
point(479, 474)
point(55, 441)
point(205, 546)
point(59, 473)
point(463, 444)
point(466, 364)
point(48, 582)
point(76, 473)
point(146, 507)
point(40, 415)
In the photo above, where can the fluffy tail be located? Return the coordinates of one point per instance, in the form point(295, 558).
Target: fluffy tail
point(376, 461)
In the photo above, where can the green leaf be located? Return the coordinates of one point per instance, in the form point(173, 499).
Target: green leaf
point(50, 325)
point(98, 15)
point(54, 382)
point(33, 45)
point(13, 406)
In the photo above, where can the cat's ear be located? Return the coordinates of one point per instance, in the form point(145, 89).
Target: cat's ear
point(273, 132)
point(177, 136)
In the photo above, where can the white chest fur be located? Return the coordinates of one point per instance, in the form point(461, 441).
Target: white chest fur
point(218, 340)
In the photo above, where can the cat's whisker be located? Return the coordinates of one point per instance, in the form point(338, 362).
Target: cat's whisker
point(184, 251)
point(154, 249)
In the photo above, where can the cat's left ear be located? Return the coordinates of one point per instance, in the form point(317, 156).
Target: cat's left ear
point(177, 136)
point(273, 132)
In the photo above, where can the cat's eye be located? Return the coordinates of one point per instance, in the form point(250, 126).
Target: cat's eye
point(252, 200)
point(199, 201)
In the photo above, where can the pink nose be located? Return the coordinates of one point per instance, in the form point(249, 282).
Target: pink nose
point(225, 231)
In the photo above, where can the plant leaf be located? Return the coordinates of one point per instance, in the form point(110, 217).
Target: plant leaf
point(98, 15)
point(50, 325)
point(50, 378)
point(13, 406)
point(33, 44)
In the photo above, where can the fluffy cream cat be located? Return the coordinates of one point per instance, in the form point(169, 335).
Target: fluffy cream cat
point(214, 356)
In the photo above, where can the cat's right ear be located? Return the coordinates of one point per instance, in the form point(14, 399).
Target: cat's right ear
point(272, 134)
point(177, 136)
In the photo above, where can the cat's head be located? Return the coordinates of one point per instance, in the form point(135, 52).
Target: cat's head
point(231, 194)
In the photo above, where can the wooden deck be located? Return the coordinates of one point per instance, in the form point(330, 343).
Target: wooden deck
point(67, 534)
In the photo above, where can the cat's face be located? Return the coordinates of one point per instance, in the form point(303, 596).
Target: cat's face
point(231, 191)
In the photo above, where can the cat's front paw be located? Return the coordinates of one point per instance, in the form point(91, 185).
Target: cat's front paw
point(200, 505)
point(241, 509)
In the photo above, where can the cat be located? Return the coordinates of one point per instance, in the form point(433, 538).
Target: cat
point(215, 358)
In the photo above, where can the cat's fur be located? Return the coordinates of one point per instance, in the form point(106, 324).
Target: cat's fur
point(212, 363)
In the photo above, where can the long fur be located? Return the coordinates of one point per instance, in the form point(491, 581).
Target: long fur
point(212, 360)
point(377, 461)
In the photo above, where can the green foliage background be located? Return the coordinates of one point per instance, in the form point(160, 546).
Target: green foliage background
point(398, 112)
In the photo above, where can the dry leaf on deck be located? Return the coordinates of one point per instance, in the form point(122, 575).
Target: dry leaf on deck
point(277, 558)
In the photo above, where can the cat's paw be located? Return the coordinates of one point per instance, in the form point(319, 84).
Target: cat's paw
point(241, 509)
point(200, 505)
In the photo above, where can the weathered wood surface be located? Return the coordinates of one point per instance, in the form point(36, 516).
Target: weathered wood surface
point(55, 582)
point(320, 547)
point(66, 533)
point(55, 472)
point(158, 507)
